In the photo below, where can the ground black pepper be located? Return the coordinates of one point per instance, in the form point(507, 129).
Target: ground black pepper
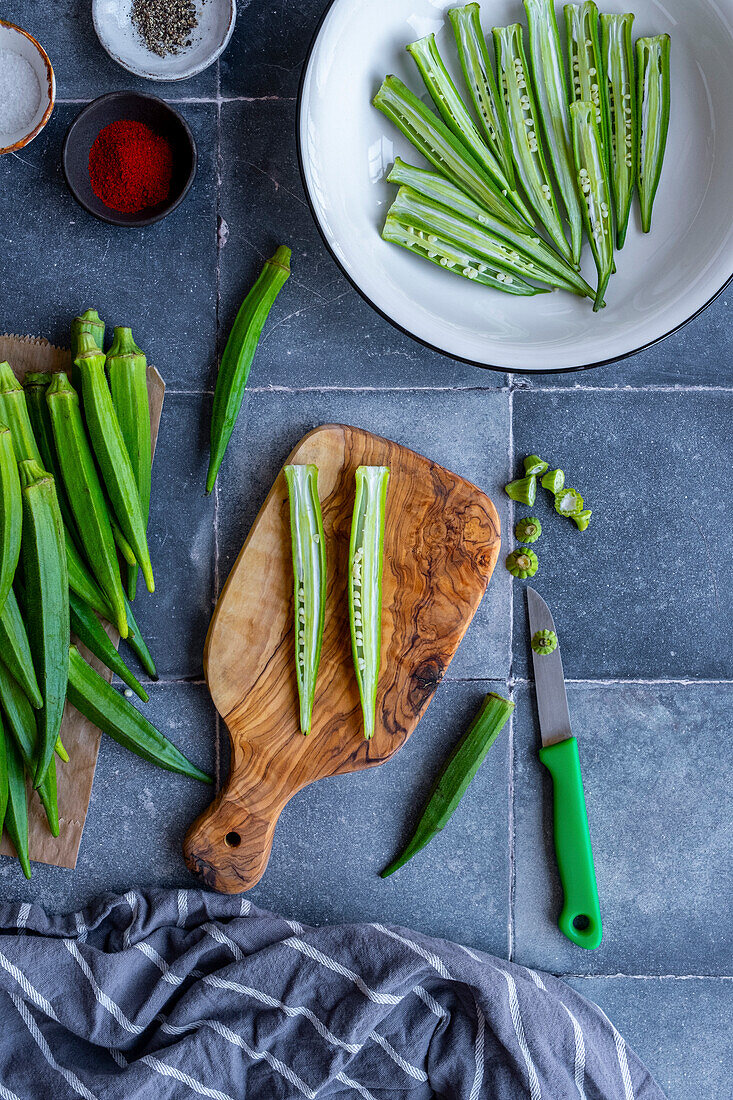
point(165, 25)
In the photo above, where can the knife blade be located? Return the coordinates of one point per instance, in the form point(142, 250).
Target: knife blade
point(580, 917)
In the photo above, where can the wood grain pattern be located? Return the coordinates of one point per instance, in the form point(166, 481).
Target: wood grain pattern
point(441, 543)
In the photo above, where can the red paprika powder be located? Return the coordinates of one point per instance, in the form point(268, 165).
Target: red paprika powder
point(130, 166)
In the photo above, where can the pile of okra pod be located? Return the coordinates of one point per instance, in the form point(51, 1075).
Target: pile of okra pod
point(75, 460)
point(600, 126)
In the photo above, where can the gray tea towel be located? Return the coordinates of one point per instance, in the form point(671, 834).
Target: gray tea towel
point(184, 993)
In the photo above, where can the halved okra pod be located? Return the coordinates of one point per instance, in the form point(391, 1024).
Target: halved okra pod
point(111, 453)
point(428, 218)
point(524, 131)
point(479, 77)
point(433, 186)
point(47, 602)
point(86, 498)
point(594, 191)
point(11, 513)
point(551, 90)
point(586, 64)
point(431, 137)
point(620, 93)
point(309, 580)
point(653, 95)
point(21, 723)
point(366, 562)
point(453, 111)
point(127, 369)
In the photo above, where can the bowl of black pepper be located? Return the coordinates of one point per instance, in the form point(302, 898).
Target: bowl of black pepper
point(164, 39)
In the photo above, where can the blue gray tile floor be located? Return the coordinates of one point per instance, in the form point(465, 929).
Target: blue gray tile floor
point(642, 599)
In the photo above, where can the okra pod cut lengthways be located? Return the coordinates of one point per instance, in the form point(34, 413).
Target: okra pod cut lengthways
point(551, 90)
point(11, 513)
point(238, 355)
point(309, 578)
point(453, 111)
point(431, 137)
point(594, 191)
point(618, 63)
point(524, 131)
point(478, 74)
point(586, 64)
point(653, 96)
point(366, 563)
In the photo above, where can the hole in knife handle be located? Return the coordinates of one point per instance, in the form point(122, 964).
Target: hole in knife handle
point(581, 923)
point(233, 840)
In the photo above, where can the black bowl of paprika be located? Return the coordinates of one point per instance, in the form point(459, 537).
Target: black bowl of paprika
point(129, 158)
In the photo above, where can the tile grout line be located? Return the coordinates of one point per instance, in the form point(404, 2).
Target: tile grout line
point(279, 389)
point(207, 99)
point(217, 223)
point(510, 792)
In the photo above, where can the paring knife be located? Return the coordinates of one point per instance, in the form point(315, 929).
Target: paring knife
point(580, 919)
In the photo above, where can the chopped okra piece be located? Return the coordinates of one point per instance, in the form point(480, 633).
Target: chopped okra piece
point(582, 519)
point(533, 464)
point(553, 480)
point(522, 563)
point(528, 529)
point(568, 502)
point(523, 489)
point(544, 641)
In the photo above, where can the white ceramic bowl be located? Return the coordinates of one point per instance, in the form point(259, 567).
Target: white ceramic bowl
point(346, 148)
point(113, 24)
point(18, 40)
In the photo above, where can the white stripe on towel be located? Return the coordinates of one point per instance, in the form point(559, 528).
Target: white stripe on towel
point(100, 996)
point(579, 1072)
point(429, 956)
point(69, 1076)
point(535, 1091)
point(478, 1052)
point(331, 964)
point(30, 990)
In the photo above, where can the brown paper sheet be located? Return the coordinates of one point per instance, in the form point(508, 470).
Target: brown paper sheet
point(80, 737)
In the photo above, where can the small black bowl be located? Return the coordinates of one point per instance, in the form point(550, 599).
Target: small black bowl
point(115, 107)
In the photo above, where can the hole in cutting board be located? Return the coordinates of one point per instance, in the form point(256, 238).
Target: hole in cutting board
point(232, 840)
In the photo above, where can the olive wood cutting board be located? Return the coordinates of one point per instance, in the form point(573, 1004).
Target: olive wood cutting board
point(441, 544)
point(80, 737)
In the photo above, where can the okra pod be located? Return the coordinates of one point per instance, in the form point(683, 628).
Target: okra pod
point(138, 645)
point(309, 580)
point(90, 323)
point(3, 779)
point(428, 218)
point(586, 65)
point(11, 513)
point(478, 74)
point(620, 92)
point(451, 257)
point(594, 190)
point(15, 650)
point(366, 563)
point(239, 353)
point(16, 812)
point(46, 601)
point(456, 774)
point(121, 542)
point(653, 96)
point(111, 453)
point(433, 186)
point(453, 111)
point(14, 415)
point(127, 370)
point(36, 386)
point(524, 131)
point(431, 137)
point(551, 89)
point(90, 632)
point(21, 722)
point(114, 715)
point(86, 498)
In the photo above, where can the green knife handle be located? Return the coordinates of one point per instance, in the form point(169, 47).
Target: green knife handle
point(580, 919)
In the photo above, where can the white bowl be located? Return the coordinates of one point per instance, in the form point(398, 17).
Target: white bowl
point(113, 24)
point(18, 40)
point(665, 278)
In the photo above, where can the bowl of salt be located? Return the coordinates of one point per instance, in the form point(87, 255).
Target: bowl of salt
point(27, 87)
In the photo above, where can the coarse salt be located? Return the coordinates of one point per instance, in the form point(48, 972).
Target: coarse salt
point(20, 92)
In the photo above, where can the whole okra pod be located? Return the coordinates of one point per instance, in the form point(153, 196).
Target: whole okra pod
point(15, 650)
point(127, 368)
point(653, 97)
point(478, 74)
point(11, 513)
point(90, 323)
point(16, 811)
point(620, 94)
point(366, 563)
point(90, 632)
point(594, 190)
point(309, 580)
point(21, 723)
point(524, 131)
point(111, 453)
point(47, 602)
point(550, 84)
point(239, 353)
